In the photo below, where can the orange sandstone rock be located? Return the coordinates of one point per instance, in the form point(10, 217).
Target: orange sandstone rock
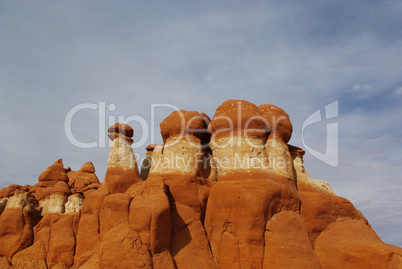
point(33, 257)
point(121, 130)
point(280, 160)
point(278, 121)
point(287, 243)
point(55, 172)
point(83, 181)
point(239, 118)
point(320, 208)
point(88, 236)
point(236, 234)
point(179, 162)
point(182, 123)
point(351, 243)
point(16, 225)
point(223, 206)
point(122, 169)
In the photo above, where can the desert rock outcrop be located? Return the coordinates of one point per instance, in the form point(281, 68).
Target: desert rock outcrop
point(223, 193)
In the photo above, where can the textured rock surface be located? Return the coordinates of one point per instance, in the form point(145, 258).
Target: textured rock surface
point(349, 243)
point(122, 171)
point(55, 172)
point(239, 133)
point(236, 196)
point(33, 257)
point(121, 130)
point(83, 181)
point(16, 224)
point(179, 162)
point(287, 243)
point(280, 160)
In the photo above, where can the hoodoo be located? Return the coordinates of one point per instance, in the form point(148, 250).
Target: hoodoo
point(223, 193)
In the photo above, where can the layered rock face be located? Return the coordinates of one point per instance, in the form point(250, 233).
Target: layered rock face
point(239, 133)
point(276, 148)
point(223, 193)
point(247, 193)
point(179, 162)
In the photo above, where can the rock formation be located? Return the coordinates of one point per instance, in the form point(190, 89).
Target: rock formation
point(276, 148)
point(223, 193)
point(122, 171)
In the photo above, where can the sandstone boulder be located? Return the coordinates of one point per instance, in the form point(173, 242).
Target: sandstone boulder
point(351, 243)
point(83, 181)
point(54, 173)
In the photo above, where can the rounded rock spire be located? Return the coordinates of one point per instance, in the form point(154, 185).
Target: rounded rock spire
point(279, 122)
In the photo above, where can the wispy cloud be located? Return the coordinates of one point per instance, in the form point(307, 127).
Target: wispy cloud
point(398, 91)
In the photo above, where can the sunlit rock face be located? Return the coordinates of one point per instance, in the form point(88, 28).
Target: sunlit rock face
point(239, 133)
point(83, 181)
point(182, 152)
point(276, 148)
point(223, 193)
point(180, 161)
point(300, 173)
point(122, 171)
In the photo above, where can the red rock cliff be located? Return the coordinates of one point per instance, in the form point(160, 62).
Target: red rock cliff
point(222, 193)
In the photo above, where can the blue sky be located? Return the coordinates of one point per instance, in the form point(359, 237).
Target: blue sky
point(298, 55)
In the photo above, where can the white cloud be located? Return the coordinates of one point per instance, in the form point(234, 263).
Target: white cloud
point(362, 90)
point(398, 91)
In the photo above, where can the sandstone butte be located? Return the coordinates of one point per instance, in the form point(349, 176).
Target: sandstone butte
point(227, 192)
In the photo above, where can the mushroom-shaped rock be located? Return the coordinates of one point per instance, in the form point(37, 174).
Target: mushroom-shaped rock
point(182, 123)
point(279, 122)
point(238, 118)
point(179, 162)
point(276, 148)
point(122, 169)
point(182, 152)
point(121, 130)
point(244, 181)
point(239, 133)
